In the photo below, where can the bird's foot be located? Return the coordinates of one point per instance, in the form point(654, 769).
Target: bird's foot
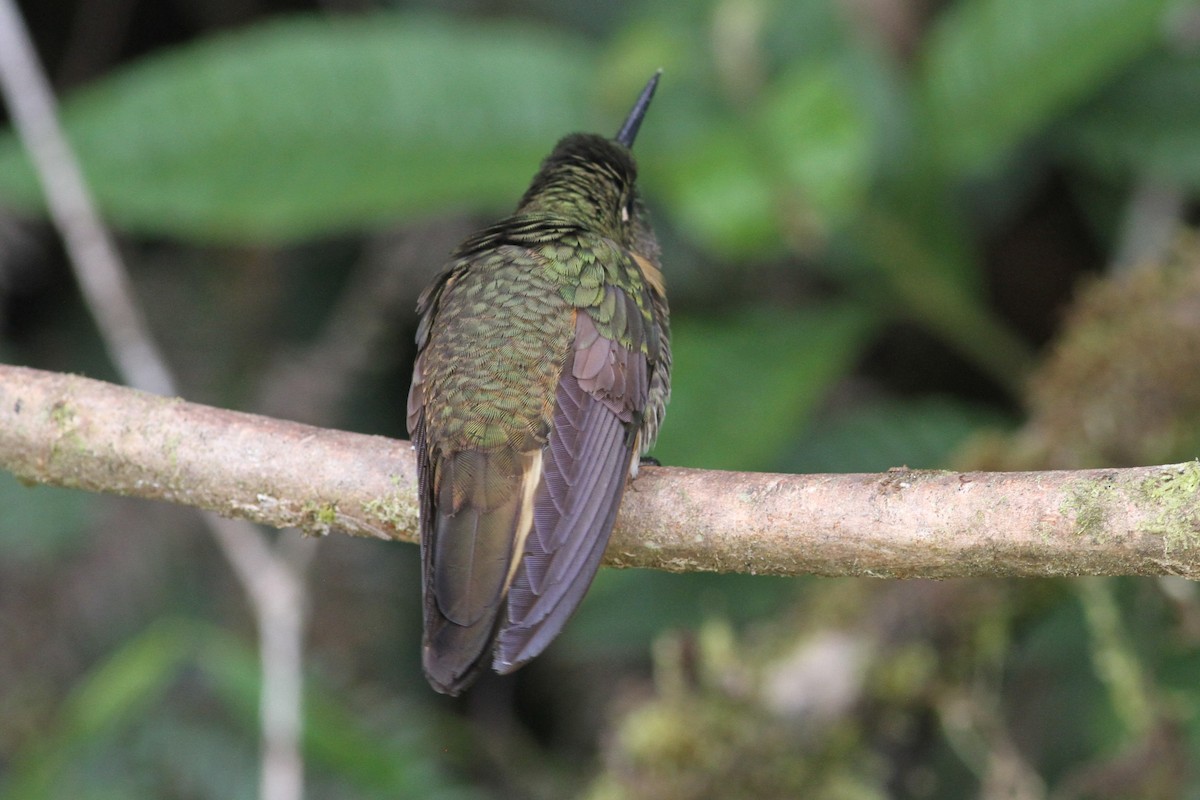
point(637, 463)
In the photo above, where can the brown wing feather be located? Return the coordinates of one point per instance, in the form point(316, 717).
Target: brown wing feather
point(585, 463)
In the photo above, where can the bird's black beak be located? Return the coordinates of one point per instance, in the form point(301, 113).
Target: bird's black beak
point(629, 130)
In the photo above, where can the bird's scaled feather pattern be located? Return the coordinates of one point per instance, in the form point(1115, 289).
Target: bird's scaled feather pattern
point(543, 362)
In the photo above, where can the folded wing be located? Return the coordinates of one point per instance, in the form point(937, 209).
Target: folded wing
point(585, 463)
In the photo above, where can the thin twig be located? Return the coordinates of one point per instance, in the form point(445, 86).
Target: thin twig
point(275, 585)
point(71, 431)
point(102, 279)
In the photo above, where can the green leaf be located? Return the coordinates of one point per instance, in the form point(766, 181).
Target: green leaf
point(995, 71)
point(109, 697)
point(744, 387)
point(804, 158)
point(625, 610)
point(928, 294)
point(720, 196)
point(378, 763)
point(920, 434)
point(125, 692)
point(820, 140)
point(1145, 124)
point(315, 125)
point(119, 688)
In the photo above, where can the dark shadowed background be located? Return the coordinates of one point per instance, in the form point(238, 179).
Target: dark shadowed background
point(895, 232)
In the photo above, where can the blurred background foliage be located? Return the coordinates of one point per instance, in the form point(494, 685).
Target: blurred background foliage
point(924, 232)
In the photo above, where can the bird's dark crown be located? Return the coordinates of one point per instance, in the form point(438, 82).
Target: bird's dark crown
point(588, 179)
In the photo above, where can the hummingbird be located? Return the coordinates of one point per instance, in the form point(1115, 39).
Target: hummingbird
point(542, 373)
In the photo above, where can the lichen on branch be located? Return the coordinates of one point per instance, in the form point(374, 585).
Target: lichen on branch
point(70, 431)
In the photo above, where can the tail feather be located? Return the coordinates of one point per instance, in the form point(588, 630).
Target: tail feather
point(453, 655)
point(470, 546)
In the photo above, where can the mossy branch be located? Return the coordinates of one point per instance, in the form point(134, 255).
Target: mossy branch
point(70, 431)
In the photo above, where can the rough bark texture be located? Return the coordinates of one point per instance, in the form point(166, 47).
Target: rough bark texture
point(71, 431)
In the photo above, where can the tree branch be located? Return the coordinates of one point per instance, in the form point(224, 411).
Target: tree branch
point(72, 431)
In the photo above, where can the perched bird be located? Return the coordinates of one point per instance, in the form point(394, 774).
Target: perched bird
point(543, 370)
